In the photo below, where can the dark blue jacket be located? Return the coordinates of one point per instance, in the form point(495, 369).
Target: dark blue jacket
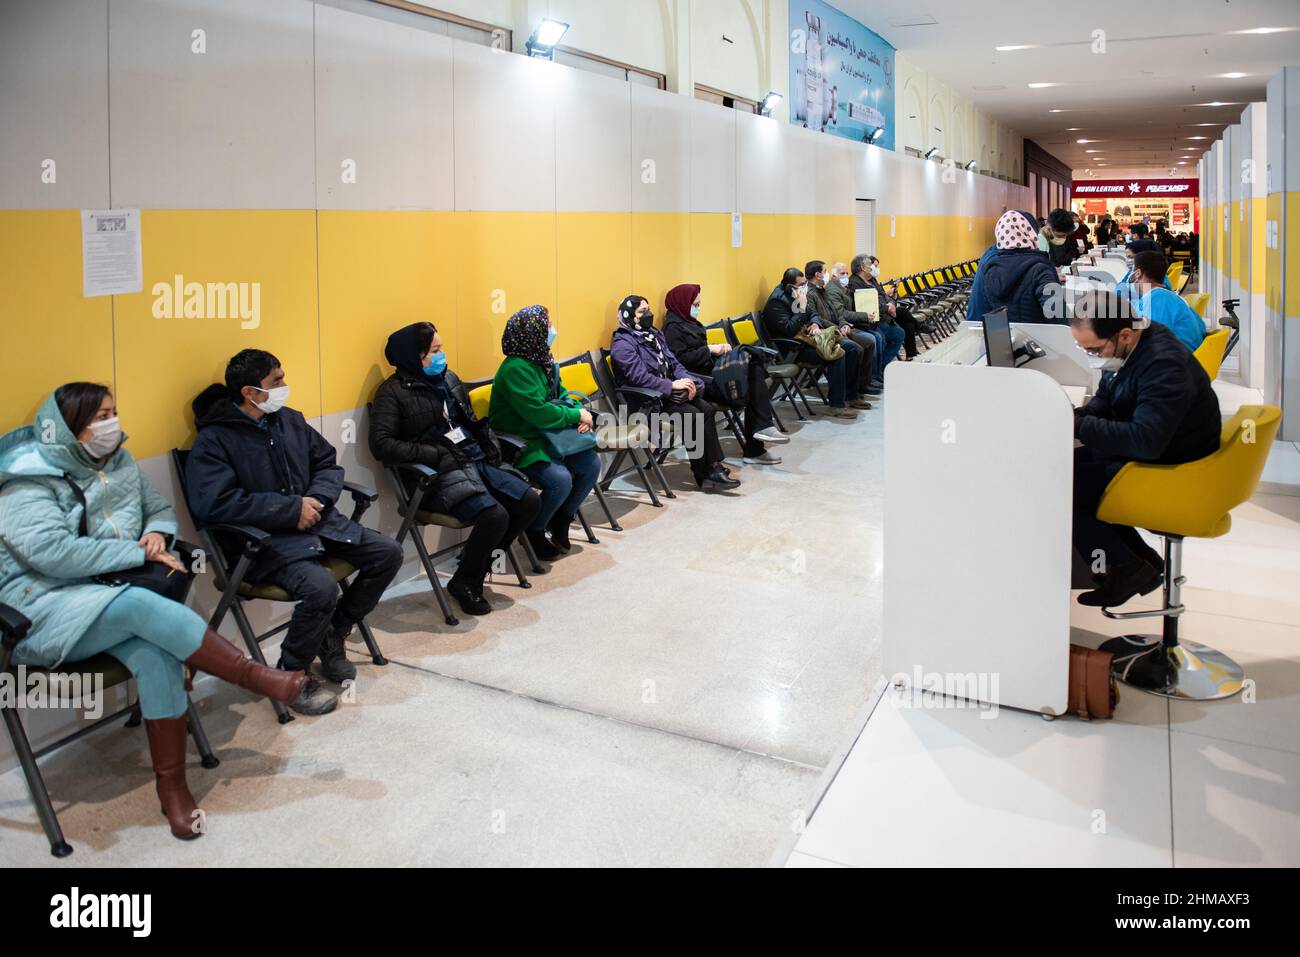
point(978, 303)
point(1158, 408)
point(242, 474)
point(1026, 283)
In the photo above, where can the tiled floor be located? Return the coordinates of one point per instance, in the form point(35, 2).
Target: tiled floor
point(1181, 783)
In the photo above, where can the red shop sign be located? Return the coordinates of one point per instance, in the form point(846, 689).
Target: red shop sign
point(1127, 188)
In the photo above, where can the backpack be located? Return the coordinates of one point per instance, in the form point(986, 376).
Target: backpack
point(731, 376)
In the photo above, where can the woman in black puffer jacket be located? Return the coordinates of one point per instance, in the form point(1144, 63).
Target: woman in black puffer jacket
point(422, 415)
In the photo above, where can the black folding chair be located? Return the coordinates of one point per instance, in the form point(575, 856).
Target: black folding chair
point(247, 542)
point(111, 673)
point(788, 351)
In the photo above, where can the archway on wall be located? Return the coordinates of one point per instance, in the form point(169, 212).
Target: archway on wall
point(938, 127)
point(957, 138)
point(911, 129)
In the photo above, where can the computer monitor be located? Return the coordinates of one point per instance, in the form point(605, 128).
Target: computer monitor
point(997, 340)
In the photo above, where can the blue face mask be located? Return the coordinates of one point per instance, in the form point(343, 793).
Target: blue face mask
point(550, 336)
point(695, 312)
point(437, 364)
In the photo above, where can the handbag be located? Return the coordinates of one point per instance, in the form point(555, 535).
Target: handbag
point(731, 377)
point(561, 443)
point(155, 576)
point(826, 341)
point(1092, 689)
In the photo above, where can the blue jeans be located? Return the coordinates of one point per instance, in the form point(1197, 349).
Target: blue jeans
point(151, 635)
point(564, 484)
point(893, 341)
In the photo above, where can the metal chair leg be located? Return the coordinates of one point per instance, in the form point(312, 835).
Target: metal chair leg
point(36, 784)
point(586, 526)
point(538, 568)
point(282, 713)
point(614, 526)
point(206, 757)
point(519, 572)
point(432, 573)
point(645, 479)
point(663, 479)
point(368, 636)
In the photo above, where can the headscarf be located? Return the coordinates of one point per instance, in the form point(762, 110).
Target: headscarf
point(1016, 229)
point(525, 335)
point(627, 318)
point(680, 299)
point(403, 351)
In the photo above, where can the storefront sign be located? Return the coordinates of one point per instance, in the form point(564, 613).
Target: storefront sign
point(1135, 187)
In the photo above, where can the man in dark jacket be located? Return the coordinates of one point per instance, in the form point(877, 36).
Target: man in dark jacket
point(1158, 407)
point(1141, 241)
point(786, 315)
point(865, 274)
point(1059, 236)
point(820, 302)
point(258, 463)
point(1020, 277)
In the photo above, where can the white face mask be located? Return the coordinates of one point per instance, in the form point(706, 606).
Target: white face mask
point(105, 436)
point(1107, 364)
point(844, 280)
point(275, 399)
point(875, 272)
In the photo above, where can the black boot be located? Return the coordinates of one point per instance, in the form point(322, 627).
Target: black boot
point(334, 663)
point(469, 598)
point(559, 529)
point(1122, 583)
point(541, 545)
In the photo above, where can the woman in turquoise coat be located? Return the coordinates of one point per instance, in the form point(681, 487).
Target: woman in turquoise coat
point(48, 572)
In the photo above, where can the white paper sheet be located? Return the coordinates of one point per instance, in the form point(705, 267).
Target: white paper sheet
point(110, 252)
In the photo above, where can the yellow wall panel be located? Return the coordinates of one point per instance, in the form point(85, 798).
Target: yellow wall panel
point(1258, 233)
point(504, 262)
point(759, 267)
point(380, 271)
point(714, 264)
point(661, 259)
point(164, 361)
point(52, 334)
point(594, 273)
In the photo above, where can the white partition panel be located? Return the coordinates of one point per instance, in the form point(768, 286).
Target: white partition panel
point(593, 142)
point(376, 84)
point(226, 128)
point(661, 135)
point(977, 517)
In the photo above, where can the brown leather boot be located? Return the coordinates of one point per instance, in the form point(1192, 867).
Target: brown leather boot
point(167, 740)
point(219, 657)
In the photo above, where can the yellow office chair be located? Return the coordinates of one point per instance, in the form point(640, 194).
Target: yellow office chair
point(1198, 301)
point(1175, 276)
point(1211, 351)
point(1176, 501)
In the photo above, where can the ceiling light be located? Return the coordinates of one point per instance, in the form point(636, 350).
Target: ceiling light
point(1231, 76)
point(1264, 30)
point(1218, 103)
point(1016, 46)
point(1086, 141)
point(1092, 151)
point(1041, 86)
point(1196, 137)
point(1056, 111)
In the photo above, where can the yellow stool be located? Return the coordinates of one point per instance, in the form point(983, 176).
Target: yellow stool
point(1211, 351)
point(1176, 501)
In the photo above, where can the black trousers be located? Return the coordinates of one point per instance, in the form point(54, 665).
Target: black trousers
point(907, 322)
point(495, 527)
point(842, 375)
point(377, 559)
point(1103, 546)
point(758, 409)
point(867, 343)
point(701, 465)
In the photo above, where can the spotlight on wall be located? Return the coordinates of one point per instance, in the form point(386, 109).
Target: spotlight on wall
point(970, 165)
point(876, 134)
point(931, 151)
point(545, 36)
point(769, 102)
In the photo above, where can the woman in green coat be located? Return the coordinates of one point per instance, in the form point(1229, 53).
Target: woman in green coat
point(67, 468)
point(526, 402)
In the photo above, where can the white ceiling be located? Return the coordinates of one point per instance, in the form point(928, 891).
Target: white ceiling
point(1137, 99)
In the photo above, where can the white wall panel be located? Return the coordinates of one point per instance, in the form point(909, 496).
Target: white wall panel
point(713, 157)
point(230, 128)
point(661, 133)
point(798, 190)
point(761, 145)
point(593, 142)
point(504, 128)
point(381, 93)
point(53, 104)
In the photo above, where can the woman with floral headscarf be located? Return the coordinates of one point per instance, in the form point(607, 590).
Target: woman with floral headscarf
point(1019, 277)
point(527, 400)
point(642, 359)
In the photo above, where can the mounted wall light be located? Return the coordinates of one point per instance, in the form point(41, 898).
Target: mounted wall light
point(931, 151)
point(545, 36)
point(769, 102)
point(970, 165)
point(876, 134)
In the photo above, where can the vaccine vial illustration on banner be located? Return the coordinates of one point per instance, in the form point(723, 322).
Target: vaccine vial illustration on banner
point(819, 96)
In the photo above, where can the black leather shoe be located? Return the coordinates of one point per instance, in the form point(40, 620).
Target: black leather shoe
point(718, 481)
point(470, 599)
point(542, 546)
point(559, 529)
point(1122, 584)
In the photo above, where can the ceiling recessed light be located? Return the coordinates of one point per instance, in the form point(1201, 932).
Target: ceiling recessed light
point(1196, 137)
point(1041, 86)
point(1015, 46)
point(1231, 76)
point(1092, 151)
point(1056, 111)
point(1264, 30)
point(1218, 103)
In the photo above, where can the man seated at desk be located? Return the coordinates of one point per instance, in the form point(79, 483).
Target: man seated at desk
point(1158, 407)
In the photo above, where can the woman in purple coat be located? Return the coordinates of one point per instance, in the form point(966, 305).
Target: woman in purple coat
point(642, 359)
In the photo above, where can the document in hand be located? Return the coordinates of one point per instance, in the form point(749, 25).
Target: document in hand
point(868, 301)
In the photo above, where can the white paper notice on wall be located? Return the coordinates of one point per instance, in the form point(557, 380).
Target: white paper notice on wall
point(891, 227)
point(110, 252)
point(736, 232)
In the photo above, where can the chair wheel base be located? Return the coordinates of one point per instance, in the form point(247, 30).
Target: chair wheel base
point(61, 849)
point(1189, 671)
point(210, 762)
